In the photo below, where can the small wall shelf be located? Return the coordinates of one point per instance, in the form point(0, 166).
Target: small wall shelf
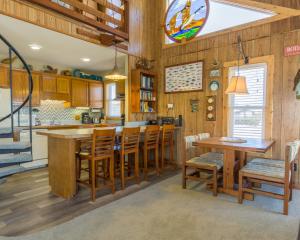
point(143, 91)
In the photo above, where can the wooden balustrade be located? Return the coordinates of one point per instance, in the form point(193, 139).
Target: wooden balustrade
point(93, 13)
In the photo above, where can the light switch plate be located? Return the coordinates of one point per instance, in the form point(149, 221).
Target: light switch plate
point(170, 106)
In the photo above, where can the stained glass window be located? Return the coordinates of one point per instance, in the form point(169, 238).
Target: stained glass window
point(185, 19)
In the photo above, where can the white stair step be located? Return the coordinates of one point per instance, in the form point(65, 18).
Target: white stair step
point(6, 171)
point(15, 158)
point(14, 147)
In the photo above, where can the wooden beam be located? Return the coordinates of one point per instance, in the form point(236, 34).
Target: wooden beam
point(104, 38)
point(79, 17)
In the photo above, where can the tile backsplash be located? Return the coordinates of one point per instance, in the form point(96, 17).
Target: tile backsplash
point(49, 111)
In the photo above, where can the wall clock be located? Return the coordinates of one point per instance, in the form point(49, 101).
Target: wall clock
point(214, 85)
point(185, 19)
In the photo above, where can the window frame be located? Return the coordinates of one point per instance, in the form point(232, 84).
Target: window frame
point(108, 100)
point(268, 112)
point(231, 108)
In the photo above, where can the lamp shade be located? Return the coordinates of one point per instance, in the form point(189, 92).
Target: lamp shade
point(115, 75)
point(237, 85)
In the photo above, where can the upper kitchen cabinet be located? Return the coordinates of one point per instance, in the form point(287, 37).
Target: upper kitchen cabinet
point(96, 94)
point(63, 85)
point(21, 87)
point(55, 87)
point(4, 80)
point(48, 84)
point(80, 89)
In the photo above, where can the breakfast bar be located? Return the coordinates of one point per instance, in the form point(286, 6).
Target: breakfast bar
point(62, 147)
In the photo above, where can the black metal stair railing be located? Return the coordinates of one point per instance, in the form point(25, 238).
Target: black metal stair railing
point(28, 98)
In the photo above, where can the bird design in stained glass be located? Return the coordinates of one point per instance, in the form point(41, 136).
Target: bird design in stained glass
point(185, 19)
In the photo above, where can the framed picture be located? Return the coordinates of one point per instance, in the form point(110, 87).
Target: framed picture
point(184, 78)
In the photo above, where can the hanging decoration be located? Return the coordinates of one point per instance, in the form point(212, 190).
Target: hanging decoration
point(185, 19)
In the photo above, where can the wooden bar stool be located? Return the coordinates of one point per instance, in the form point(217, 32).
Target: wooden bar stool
point(151, 142)
point(129, 146)
point(167, 142)
point(102, 151)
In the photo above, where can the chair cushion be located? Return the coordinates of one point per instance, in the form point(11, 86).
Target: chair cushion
point(264, 170)
point(268, 162)
point(210, 159)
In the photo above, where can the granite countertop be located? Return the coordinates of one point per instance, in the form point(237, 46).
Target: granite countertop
point(67, 126)
point(81, 133)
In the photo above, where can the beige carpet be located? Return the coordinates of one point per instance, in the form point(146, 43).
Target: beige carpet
point(165, 211)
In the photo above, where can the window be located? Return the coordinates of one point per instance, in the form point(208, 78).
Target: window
point(114, 14)
point(246, 115)
point(235, 16)
point(113, 107)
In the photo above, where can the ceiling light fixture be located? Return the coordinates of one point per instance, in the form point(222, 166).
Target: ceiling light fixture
point(115, 74)
point(35, 47)
point(85, 59)
point(238, 84)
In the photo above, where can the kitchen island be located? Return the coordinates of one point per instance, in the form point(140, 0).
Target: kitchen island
point(62, 146)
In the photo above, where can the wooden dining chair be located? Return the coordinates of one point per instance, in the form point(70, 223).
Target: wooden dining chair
point(129, 147)
point(167, 143)
point(102, 151)
point(151, 143)
point(271, 172)
point(210, 162)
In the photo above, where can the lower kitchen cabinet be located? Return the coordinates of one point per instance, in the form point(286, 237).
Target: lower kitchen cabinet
point(96, 95)
point(80, 92)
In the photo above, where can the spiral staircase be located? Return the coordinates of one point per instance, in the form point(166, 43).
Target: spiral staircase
point(14, 153)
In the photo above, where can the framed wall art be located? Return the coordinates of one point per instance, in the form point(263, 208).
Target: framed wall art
point(184, 78)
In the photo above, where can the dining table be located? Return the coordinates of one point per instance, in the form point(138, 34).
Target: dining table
point(62, 147)
point(234, 152)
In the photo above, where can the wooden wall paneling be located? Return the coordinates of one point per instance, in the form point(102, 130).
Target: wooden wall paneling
point(277, 50)
point(290, 129)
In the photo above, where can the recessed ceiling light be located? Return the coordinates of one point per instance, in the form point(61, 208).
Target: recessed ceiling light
point(35, 46)
point(85, 59)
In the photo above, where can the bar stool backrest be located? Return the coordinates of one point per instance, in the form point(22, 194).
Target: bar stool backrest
point(168, 133)
point(130, 139)
point(151, 136)
point(103, 143)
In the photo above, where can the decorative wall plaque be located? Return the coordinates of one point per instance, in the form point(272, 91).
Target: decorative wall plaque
point(184, 78)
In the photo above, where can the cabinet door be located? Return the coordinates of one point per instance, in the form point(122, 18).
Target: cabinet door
point(4, 80)
point(79, 93)
point(63, 85)
point(19, 86)
point(48, 84)
point(36, 90)
point(96, 95)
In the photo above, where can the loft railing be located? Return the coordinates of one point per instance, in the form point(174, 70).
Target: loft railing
point(28, 99)
point(105, 15)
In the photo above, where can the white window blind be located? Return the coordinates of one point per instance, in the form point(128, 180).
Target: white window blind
point(113, 106)
point(247, 112)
